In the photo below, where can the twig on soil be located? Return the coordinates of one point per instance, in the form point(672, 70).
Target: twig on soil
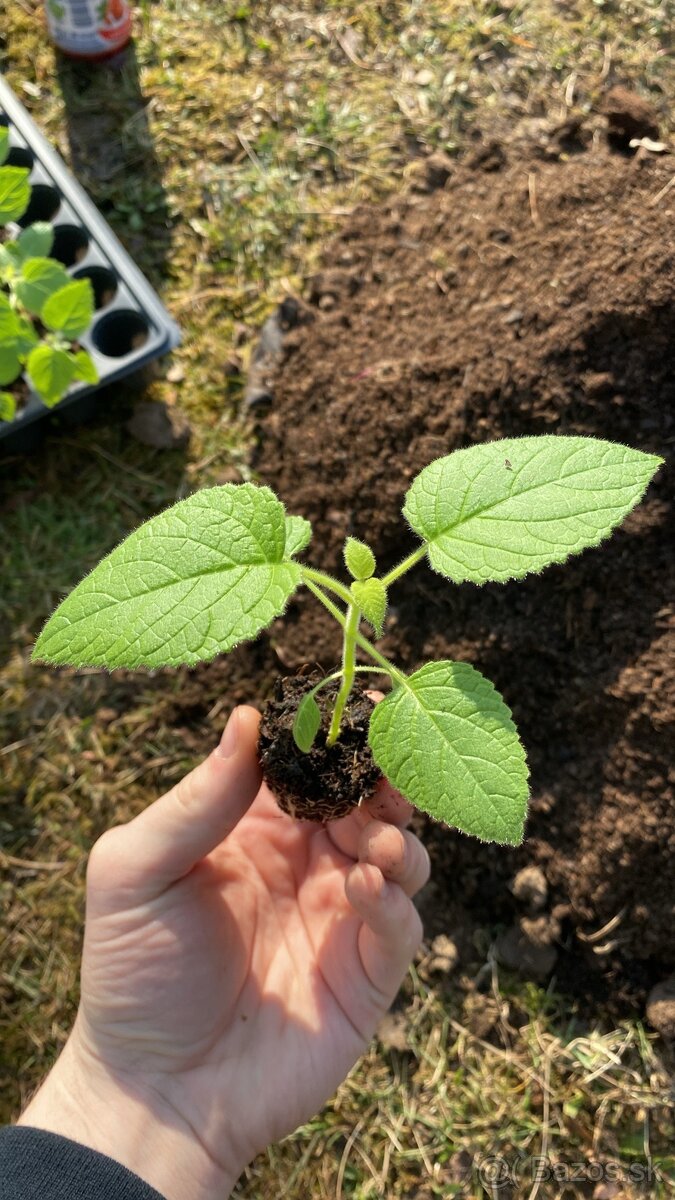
point(532, 193)
point(660, 194)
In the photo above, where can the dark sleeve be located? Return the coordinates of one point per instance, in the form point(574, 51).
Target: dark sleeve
point(35, 1165)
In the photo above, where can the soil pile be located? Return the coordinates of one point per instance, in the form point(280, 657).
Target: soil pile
point(520, 299)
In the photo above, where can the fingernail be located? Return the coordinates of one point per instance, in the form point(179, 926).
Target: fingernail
point(230, 739)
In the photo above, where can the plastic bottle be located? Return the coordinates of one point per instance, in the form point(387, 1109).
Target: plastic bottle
point(89, 29)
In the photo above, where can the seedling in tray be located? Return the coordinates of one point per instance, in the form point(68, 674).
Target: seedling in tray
point(42, 310)
point(218, 567)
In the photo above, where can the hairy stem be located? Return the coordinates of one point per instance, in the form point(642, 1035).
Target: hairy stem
point(361, 641)
point(351, 629)
point(410, 561)
point(327, 581)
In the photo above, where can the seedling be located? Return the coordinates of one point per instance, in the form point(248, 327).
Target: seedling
point(42, 310)
point(217, 568)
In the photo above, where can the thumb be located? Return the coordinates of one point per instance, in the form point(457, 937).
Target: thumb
point(171, 836)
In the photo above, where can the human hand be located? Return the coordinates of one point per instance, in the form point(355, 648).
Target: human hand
point(236, 963)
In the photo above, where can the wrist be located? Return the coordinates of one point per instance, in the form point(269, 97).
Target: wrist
point(128, 1121)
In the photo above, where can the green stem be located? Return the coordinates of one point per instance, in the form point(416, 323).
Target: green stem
point(327, 581)
point(351, 629)
point(410, 561)
point(361, 641)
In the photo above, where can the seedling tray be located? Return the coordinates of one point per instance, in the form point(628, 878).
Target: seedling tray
point(130, 327)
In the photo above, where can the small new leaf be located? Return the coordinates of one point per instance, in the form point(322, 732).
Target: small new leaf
point(51, 372)
point(191, 583)
point(307, 723)
point(502, 510)
point(446, 740)
point(359, 559)
point(36, 241)
point(14, 193)
point(7, 406)
point(40, 277)
point(298, 535)
point(70, 309)
point(371, 597)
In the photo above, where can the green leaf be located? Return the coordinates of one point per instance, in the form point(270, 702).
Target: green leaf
point(4, 143)
point(307, 723)
point(70, 309)
point(298, 535)
point(36, 241)
point(504, 509)
point(359, 559)
point(446, 740)
point(85, 367)
point(14, 193)
point(51, 372)
point(7, 406)
point(190, 583)
point(40, 277)
point(10, 364)
point(371, 597)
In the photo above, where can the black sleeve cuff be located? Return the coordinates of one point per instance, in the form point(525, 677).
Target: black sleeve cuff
point(35, 1165)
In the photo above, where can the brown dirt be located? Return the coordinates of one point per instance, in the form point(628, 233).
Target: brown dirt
point(534, 298)
point(329, 781)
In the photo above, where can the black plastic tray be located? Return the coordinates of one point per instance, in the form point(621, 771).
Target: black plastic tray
point(87, 247)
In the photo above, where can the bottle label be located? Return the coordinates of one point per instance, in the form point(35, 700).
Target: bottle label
point(89, 27)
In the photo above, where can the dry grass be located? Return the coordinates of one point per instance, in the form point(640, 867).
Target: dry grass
point(235, 139)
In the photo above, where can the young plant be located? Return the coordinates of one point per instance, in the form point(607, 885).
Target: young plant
point(216, 569)
point(42, 310)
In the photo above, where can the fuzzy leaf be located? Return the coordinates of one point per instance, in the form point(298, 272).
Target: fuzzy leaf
point(40, 277)
point(70, 309)
point(7, 406)
point(14, 193)
point(502, 510)
point(51, 372)
point(298, 535)
point(307, 723)
point(85, 367)
point(36, 241)
point(359, 559)
point(189, 584)
point(446, 740)
point(371, 597)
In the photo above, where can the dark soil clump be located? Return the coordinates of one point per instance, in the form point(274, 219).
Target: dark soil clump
point(329, 781)
point(538, 298)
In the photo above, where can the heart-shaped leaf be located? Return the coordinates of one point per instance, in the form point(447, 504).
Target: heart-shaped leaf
point(446, 740)
point(51, 372)
point(189, 584)
point(40, 277)
point(502, 510)
point(14, 193)
point(36, 241)
point(70, 309)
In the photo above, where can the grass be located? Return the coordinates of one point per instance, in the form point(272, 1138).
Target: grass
point(234, 138)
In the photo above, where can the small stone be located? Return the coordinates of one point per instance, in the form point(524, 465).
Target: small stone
point(155, 424)
point(661, 1008)
point(424, 77)
point(176, 373)
point(529, 886)
point(392, 1032)
point(444, 955)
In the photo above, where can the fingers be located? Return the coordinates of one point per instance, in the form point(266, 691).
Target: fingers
point(398, 854)
point(385, 804)
point(391, 930)
point(165, 841)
